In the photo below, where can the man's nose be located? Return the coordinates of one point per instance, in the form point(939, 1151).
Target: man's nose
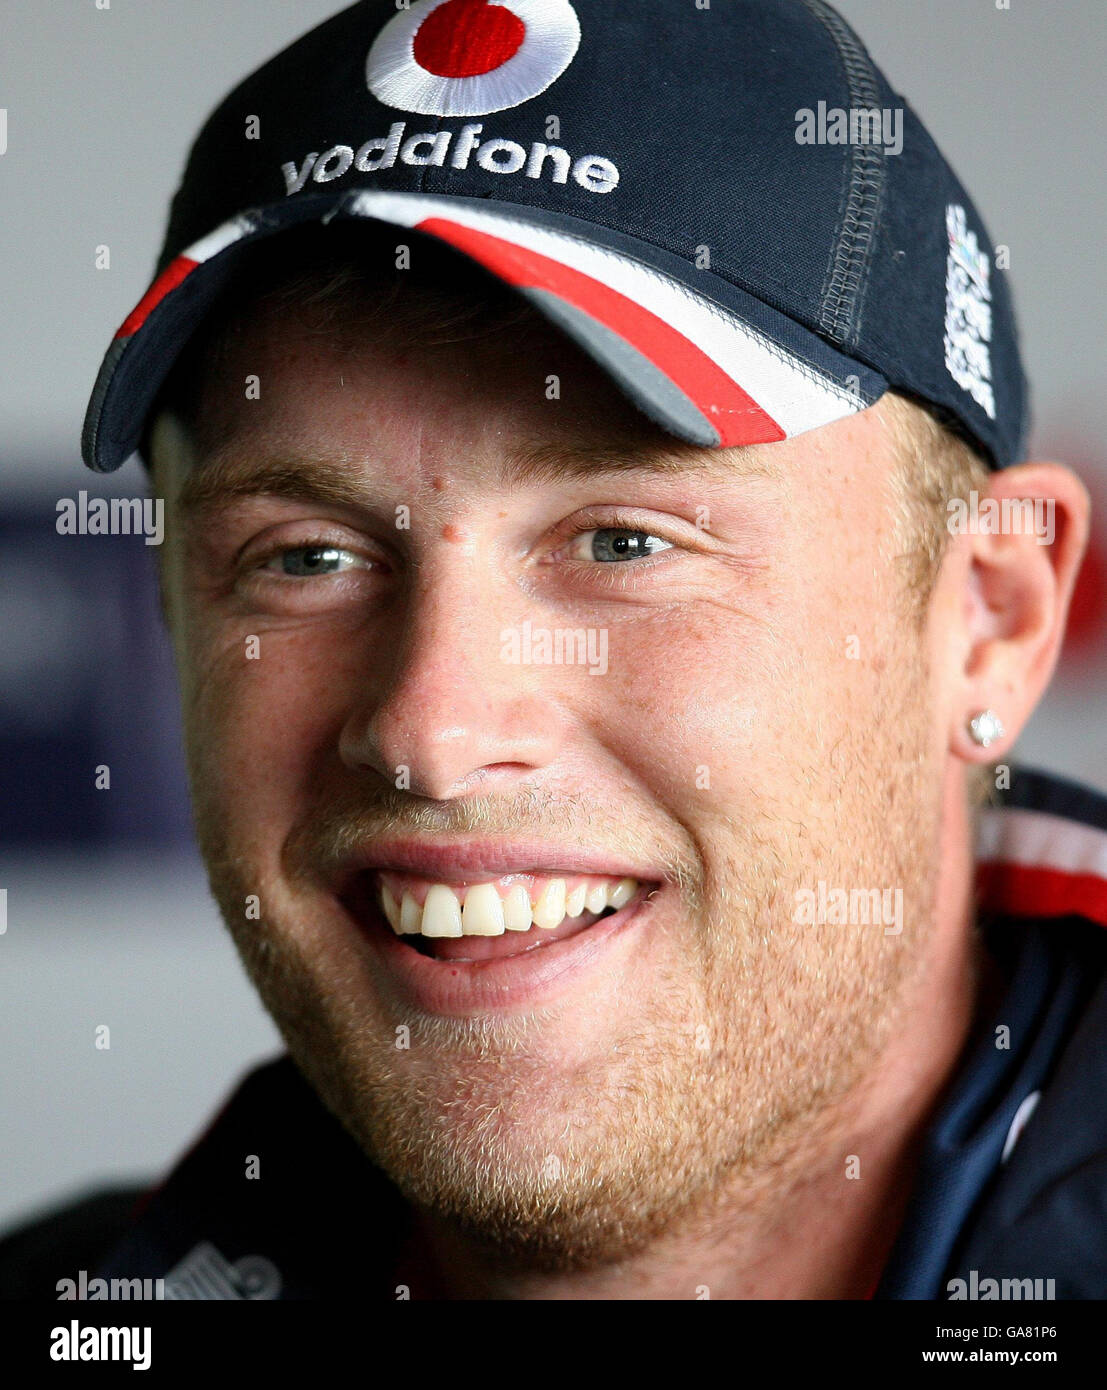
point(444, 705)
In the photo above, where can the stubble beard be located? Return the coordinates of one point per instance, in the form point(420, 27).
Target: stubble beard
point(715, 1096)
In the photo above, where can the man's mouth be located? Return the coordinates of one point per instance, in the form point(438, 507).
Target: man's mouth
point(490, 918)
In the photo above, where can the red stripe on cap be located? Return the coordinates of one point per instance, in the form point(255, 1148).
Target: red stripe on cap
point(168, 280)
point(1026, 891)
point(736, 415)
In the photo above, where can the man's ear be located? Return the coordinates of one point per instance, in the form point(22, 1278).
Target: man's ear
point(1021, 551)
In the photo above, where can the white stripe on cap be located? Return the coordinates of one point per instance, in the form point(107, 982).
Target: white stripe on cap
point(794, 394)
point(224, 235)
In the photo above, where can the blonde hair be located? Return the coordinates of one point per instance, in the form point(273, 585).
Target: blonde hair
point(933, 465)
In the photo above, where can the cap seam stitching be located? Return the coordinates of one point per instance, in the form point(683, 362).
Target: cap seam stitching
point(846, 281)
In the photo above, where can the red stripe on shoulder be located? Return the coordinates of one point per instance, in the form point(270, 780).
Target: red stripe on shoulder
point(1031, 891)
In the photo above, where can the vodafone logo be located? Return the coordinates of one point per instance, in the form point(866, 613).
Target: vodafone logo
point(470, 57)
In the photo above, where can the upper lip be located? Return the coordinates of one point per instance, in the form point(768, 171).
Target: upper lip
point(446, 860)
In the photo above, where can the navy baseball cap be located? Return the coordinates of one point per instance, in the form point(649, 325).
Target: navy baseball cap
point(728, 208)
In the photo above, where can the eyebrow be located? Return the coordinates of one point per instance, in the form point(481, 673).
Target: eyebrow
point(219, 481)
point(546, 462)
point(223, 478)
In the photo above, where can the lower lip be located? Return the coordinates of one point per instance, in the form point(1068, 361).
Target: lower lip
point(462, 989)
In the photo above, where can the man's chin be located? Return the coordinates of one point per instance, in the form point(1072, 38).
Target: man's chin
point(518, 1196)
point(519, 1157)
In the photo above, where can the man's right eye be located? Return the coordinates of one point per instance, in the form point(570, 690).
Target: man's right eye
point(310, 561)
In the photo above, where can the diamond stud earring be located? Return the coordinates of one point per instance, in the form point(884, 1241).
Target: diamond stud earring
point(985, 727)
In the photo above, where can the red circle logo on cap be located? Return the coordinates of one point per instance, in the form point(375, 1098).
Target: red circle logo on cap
point(470, 57)
point(465, 38)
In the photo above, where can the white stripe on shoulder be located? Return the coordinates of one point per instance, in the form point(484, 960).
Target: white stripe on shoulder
point(1036, 839)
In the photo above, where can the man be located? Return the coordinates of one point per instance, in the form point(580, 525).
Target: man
point(595, 662)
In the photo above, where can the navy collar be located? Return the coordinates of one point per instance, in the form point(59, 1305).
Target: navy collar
point(1042, 906)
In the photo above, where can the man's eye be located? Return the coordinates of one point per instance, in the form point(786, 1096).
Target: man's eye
point(607, 543)
point(308, 561)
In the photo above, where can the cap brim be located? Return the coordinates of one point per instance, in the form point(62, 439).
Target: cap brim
point(706, 361)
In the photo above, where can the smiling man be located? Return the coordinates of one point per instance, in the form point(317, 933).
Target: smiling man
point(702, 970)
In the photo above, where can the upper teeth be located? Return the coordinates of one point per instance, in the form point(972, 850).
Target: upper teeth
point(485, 913)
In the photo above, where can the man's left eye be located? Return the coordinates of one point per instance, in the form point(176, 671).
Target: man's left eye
point(308, 561)
point(613, 543)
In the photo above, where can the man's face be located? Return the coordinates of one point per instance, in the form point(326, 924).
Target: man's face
point(350, 619)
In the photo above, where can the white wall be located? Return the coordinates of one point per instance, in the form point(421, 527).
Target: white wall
point(136, 946)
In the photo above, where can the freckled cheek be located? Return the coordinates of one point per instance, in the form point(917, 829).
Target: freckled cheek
point(263, 713)
point(689, 715)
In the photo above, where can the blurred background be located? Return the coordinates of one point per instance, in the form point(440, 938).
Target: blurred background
point(108, 917)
